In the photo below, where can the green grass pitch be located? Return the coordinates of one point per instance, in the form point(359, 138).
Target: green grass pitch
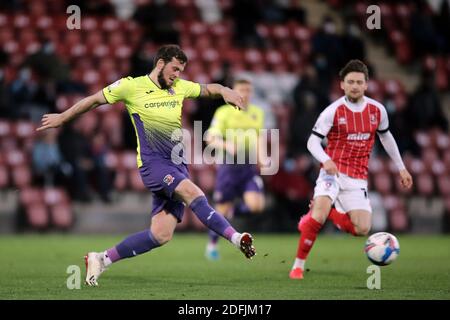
point(34, 267)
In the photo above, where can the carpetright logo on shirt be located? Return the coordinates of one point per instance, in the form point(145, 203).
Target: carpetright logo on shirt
point(165, 104)
point(358, 136)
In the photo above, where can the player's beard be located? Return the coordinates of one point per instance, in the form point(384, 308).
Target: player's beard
point(354, 99)
point(161, 80)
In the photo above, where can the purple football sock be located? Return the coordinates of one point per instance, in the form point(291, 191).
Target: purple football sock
point(210, 218)
point(241, 208)
point(133, 245)
point(213, 236)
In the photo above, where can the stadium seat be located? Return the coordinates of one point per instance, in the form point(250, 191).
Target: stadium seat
point(135, 179)
point(55, 196)
point(37, 215)
point(24, 129)
point(61, 215)
point(30, 195)
point(16, 158)
point(21, 176)
point(398, 220)
point(5, 128)
point(120, 180)
point(383, 183)
point(424, 184)
point(443, 184)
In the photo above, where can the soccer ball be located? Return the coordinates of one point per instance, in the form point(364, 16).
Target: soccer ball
point(382, 248)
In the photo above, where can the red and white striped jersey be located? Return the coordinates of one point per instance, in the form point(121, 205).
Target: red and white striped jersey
point(350, 129)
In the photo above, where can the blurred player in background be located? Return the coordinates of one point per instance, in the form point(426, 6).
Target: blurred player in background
point(349, 124)
point(236, 181)
point(154, 103)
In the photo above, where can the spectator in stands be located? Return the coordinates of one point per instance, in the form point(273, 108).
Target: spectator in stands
point(207, 106)
point(246, 15)
point(309, 99)
point(157, 18)
point(86, 160)
point(425, 109)
point(97, 8)
point(5, 110)
point(327, 50)
point(46, 157)
point(291, 191)
point(423, 33)
point(352, 44)
point(47, 64)
point(142, 59)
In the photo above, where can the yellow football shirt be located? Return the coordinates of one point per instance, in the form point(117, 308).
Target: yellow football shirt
point(231, 123)
point(154, 112)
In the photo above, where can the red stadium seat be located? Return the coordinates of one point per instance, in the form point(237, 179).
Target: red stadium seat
point(383, 183)
point(398, 220)
point(16, 158)
point(44, 22)
point(37, 215)
point(21, 21)
point(5, 128)
point(424, 184)
point(89, 24)
point(110, 24)
point(120, 180)
point(55, 196)
point(4, 20)
point(21, 176)
point(443, 184)
point(128, 160)
point(61, 215)
point(30, 195)
point(24, 129)
point(135, 179)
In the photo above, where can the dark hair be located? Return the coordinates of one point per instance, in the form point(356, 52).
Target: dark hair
point(168, 52)
point(241, 81)
point(354, 66)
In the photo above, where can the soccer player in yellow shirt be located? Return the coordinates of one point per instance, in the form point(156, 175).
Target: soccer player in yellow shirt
point(154, 103)
point(236, 132)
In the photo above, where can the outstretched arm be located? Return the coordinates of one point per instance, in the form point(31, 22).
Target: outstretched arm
point(389, 144)
point(230, 96)
point(54, 120)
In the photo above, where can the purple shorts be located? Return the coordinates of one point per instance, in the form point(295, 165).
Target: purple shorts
point(233, 180)
point(161, 176)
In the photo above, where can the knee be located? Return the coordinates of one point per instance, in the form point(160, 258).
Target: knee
point(362, 230)
point(189, 192)
point(256, 208)
point(162, 236)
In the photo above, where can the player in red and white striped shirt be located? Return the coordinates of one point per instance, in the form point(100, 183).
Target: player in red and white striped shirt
point(350, 125)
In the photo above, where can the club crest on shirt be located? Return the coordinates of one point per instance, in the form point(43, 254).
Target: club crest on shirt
point(342, 120)
point(168, 179)
point(373, 119)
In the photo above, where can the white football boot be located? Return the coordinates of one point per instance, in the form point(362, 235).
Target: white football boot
point(94, 267)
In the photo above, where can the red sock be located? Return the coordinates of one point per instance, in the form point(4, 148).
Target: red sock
point(342, 221)
point(309, 230)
